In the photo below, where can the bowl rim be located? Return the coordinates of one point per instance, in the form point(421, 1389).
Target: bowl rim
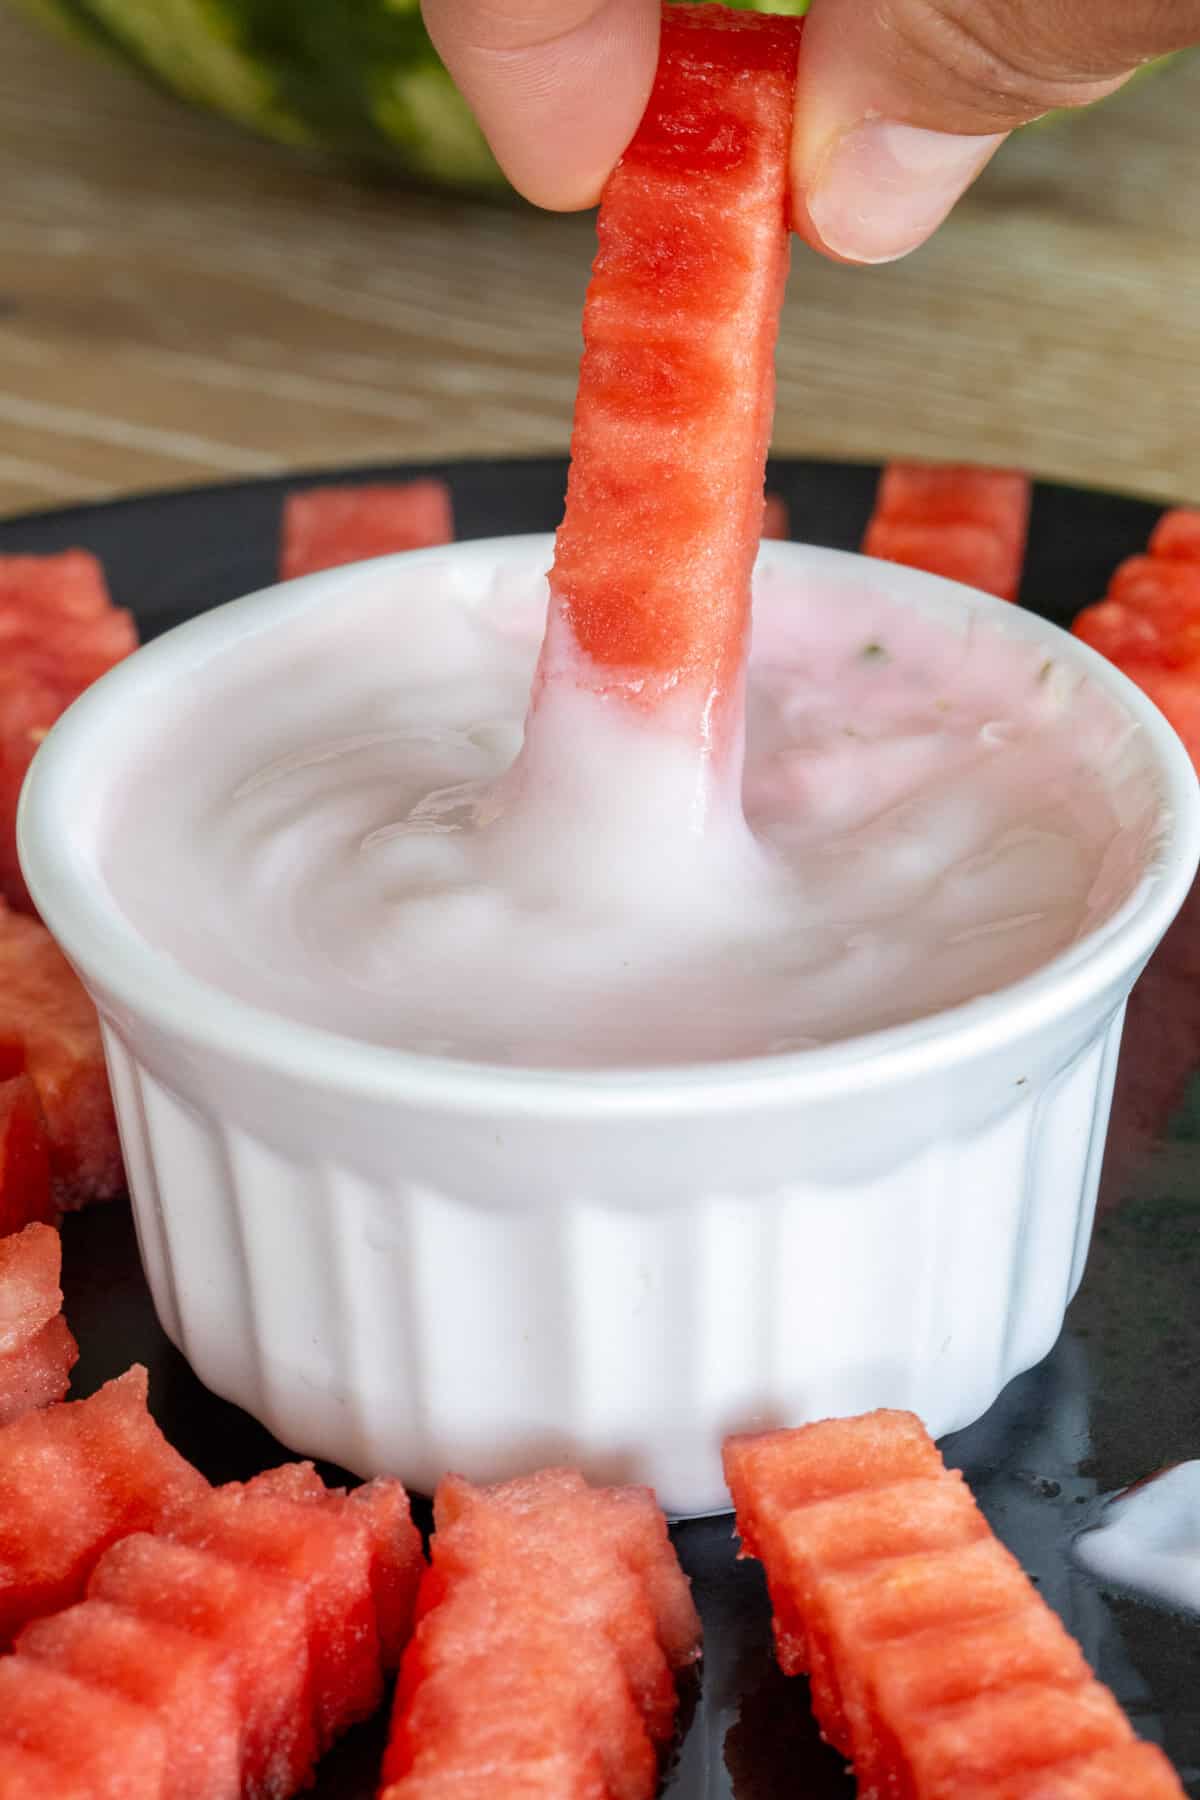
point(111, 955)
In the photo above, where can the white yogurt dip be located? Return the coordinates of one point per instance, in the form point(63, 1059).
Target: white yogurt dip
point(330, 829)
point(1148, 1539)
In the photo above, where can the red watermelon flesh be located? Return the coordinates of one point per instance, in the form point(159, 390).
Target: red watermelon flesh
point(775, 517)
point(948, 1666)
point(487, 1685)
point(955, 494)
point(905, 1681)
point(539, 1631)
point(328, 1551)
point(27, 1775)
point(117, 1748)
point(58, 633)
point(541, 1565)
point(39, 1373)
point(25, 1194)
point(1167, 592)
point(327, 526)
point(182, 1680)
point(30, 1265)
point(633, 1525)
point(1121, 633)
point(44, 1008)
point(934, 1661)
point(1010, 1730)
point(627, 1519)
point(973, 554)
point(772, 1473)
point(74, 1478)
point(1128, 1772)
point(1177, 534)
point(848, 1534)
point(887, 1600)
point(258, 1623)
point(1149, 623)
point(397, 1562)
point(964, 523)
point(28, 708)
point(556, 1775)
point(664, 510)
point(244, 1624)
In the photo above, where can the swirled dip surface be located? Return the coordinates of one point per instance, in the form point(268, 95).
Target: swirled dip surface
point(329, 828)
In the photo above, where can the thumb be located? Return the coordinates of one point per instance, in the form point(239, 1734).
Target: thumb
point(902, 102)
point(558, 86)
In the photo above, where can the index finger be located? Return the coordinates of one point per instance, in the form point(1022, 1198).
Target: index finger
point(558, 86)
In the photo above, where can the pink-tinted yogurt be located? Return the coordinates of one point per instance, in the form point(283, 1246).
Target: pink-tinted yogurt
point(331, 830)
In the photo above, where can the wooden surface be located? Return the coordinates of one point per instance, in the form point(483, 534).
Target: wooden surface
point(180, 304)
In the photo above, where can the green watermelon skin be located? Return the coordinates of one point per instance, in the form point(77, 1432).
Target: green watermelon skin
point(359, 78)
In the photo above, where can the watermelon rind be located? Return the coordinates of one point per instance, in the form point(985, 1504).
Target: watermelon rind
point(356, 78)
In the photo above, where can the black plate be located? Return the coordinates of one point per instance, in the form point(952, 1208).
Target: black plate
point(1117, 1398)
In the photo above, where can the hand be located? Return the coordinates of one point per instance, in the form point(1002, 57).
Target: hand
point(900, 104)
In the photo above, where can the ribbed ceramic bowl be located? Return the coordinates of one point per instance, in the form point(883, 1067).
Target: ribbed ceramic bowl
point(411, 1264)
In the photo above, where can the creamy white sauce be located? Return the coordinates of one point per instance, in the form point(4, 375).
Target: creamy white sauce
point(1148, 1539)
point(331, 830)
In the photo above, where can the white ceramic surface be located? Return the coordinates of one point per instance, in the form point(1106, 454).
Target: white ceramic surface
point(408, 1264)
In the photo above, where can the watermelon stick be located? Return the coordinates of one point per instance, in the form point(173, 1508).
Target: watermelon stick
point(650, 588)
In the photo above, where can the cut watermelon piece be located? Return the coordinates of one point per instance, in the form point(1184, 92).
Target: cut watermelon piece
point(182, 1680)
point(955, 494)
point(73, 1478)
point(1177, 535)
point(37, 1350)
point(397, 1562)
point(629, 1521)
point(934, 1662)
point(114, 1746)
point(542, 1630)
point(650, 589)
point(907, 1680)
point(493, 1686)
point(326, 1550)
point(1130, 1772)
point(904, 1520)
point(776, 523)
point(1165, 591)
point(972, 554)
point(1149, 623)
point(964, 523)
point(895, 1597)
point(1121, 633)
point(259, 1624)
point(59, 632)
point(45, 1009)
point(324, 527)
point(493, 1549)
point(26, 1775)
point(25, 1194)
point(1011, 1731)
point(773, 1473)
point(554, 1775)
point(244, 1626)
point(30, 1266)
point(39, 1373)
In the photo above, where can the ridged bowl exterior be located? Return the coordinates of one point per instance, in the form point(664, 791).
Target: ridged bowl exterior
point(414, 1292)
point(407, 1265)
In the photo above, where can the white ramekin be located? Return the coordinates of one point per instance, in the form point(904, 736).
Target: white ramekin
point(408, 1264)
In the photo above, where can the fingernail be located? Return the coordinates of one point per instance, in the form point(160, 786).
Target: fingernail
point(883, 187)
